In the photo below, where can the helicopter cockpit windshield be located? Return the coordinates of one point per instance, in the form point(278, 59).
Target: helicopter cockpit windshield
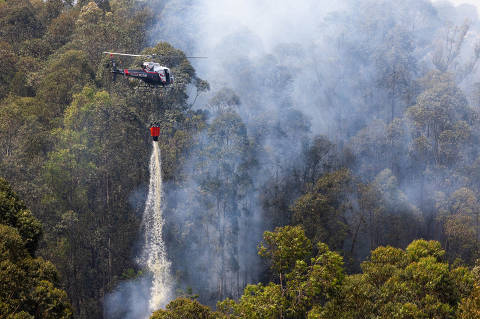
point(157, 67)
point(149, 66)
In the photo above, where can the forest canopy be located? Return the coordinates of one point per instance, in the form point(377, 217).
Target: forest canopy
point(325, 166)
point(29, 284)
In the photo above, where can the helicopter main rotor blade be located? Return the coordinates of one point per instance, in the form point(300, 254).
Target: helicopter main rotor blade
point(156, 55)
point(125, 54)
point(175, 56)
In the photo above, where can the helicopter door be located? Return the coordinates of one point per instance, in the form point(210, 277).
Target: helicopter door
point(167, 75)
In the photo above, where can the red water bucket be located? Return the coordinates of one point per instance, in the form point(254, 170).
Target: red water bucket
point(155, 132)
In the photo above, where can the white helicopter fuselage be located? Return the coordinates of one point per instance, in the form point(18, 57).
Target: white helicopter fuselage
point(162, 71)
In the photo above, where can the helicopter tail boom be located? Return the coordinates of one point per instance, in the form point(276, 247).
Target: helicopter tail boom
point(115, 71)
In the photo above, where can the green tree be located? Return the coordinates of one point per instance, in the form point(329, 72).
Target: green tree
point(63, 76)
point(440, 116)
point(283, 248)
point(122, 28)
point(314, 284)
point(22, 82)
point(27, 284)
point(18, 22)
point(469, 307)
point(14, 213)
point(414, 283)
point(7, 65)
point(323, 212)
point(89, 177)
point(257, 302)
point(60, 29)
point(460, 218)
point(307, 283)
point(181, 308)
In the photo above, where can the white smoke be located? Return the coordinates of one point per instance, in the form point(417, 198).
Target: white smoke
point(253, 44)
point(299, 68)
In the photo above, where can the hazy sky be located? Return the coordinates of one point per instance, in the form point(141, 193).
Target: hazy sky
point(457, 2)
point(474, 2)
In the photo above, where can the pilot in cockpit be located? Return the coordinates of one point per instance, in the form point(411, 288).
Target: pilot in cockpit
point(148, 67)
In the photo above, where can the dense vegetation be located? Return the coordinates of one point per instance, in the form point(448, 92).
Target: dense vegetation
point(312, 283)
point(74, 146)
point(28, 284)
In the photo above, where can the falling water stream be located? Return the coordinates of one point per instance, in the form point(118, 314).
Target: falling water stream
point(154, 255)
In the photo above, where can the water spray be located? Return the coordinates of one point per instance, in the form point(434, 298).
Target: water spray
point(154, 255)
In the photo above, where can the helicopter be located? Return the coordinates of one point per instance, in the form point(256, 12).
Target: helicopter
point(152, 73)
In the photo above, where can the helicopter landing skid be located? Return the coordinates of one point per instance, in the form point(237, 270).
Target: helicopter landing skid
point(148, 87)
